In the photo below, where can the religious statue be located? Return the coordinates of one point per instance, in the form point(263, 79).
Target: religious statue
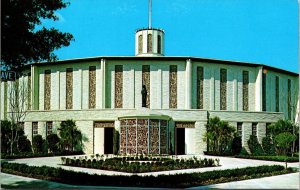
point(144, 96)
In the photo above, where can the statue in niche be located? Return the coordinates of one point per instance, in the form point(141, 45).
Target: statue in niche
point(144, 96)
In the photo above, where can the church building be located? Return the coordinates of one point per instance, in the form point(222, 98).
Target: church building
point(157, 104)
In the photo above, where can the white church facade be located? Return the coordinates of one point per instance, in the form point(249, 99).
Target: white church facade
point(105, 95)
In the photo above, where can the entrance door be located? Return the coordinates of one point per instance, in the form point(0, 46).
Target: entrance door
point(180, 141)
point(108, 140)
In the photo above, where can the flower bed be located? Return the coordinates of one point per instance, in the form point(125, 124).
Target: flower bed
point(139, 164)
point(169, 181)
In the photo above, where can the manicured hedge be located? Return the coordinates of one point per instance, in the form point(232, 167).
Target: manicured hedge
point(270, 158)
point(33, 155)
point(140, 164)
point(178, 180)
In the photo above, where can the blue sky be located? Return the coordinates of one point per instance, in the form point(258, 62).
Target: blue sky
point(259, 31)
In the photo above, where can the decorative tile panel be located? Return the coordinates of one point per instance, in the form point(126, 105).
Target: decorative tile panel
point(123, 139)
point(173, 86)
point(47, 90)
point(69, 88)
point(92, 87)
point(199, 87)
point(146, 82)
point(154, 140)
point(185, 124)
point(29, 91)
point(104, 124)
point(223, 89)
point(118, 86)
point(245, 90)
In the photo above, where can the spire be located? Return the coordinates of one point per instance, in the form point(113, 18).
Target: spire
point(149, 13)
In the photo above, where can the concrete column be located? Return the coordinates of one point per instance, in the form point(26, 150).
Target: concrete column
point(188, 80)
point(258, 90)
point(103, 63)
point(212, 90)
point(261, 131)
point(200, 144)
point(246, 132)
point(34, 88)
point(235, 93)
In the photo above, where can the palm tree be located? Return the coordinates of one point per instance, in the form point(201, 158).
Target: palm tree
point(70, 135)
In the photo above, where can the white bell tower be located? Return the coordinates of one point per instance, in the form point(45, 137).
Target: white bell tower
point(149, 41)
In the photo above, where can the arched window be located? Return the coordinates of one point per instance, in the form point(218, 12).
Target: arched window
point(140, 44)
point(159, 44)
point(149, 43)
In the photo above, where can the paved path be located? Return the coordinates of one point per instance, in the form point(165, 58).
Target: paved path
point(226, 163)
point(289, 181)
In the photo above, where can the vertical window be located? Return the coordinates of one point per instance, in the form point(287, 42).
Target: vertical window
point(34, 128)
point(118, 86)
point(92, 87)
point(223, 89)
point(47, 90)
point(289, 100)
point(146, 82)
point(173, 86)
point(245, 90)
point(49, 126)
point(140, 50)
point(149, 43)
point(199, 87)
point(264, 105)
point(239, 129)
point(159, 44)
point(277, 94)
point(254, 129)
point(69, 88)
point(29, 91)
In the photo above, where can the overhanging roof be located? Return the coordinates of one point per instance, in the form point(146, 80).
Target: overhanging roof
point(144, 113)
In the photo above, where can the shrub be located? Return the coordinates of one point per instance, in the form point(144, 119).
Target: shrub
point(244, 152)
point(53, 141)
point(37, 143)
point(268, 146)
point(236, 145)
point(254, 146)
point(24, 144)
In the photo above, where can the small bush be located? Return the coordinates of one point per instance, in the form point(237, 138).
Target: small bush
point(268, 146)
point(37, 143)
point(244, 152)
point(24, 144)
point(53, 141)
point(236, 145)
point(254, 146)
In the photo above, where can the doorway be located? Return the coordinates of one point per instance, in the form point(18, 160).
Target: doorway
point(108, 140)
point(180, 141)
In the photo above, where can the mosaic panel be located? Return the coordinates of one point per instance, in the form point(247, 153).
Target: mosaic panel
point(245, 90)
point(223, 89)
point(131, 139)
point(163, 140)
point(163, 123)
point(92, 87)
point(118, 86)
point(185, 124)
point(154, 122)
point(173, 86)
point(149, 43)
point(69, 88)
point(154, 140)
point(29, 92)
point(103, 124)
point(142, 139)
point(277, 93)
point(140, 44)
point(123, 139)
point(199, 87)
point(146, 82)
point(47, 90)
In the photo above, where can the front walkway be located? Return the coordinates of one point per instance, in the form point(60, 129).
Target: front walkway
point(288, 181)
point(226, 163)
